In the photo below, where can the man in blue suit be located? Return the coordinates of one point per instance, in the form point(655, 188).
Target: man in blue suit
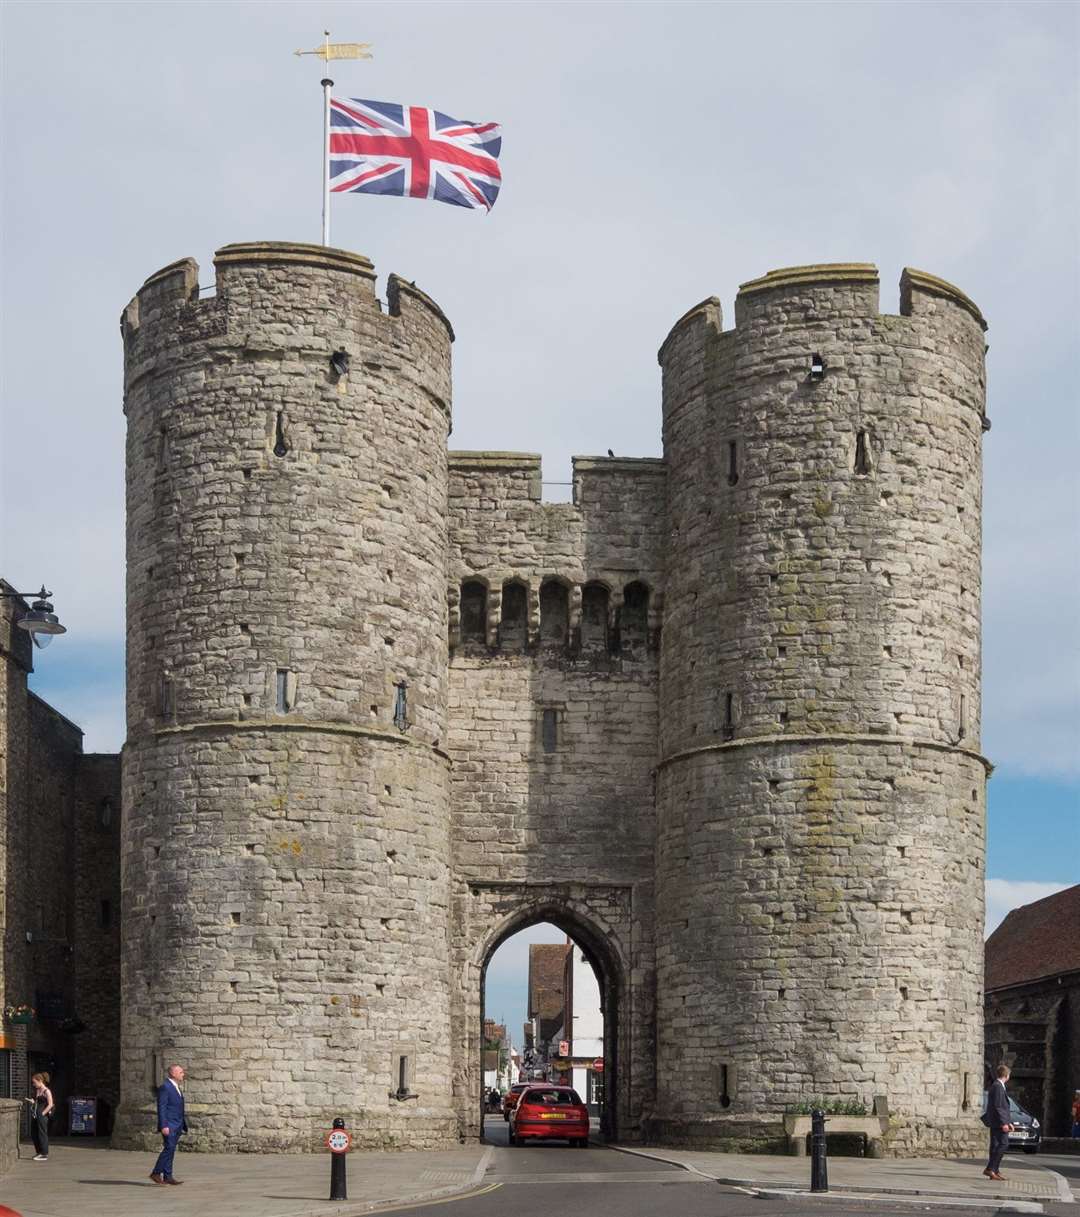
point(998, 1119)
point(170, 1122)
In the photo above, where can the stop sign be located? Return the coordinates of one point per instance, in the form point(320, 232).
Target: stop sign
point(598, 1065)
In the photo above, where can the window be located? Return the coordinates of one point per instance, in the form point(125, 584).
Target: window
point(554, 613)
point(285, 690)
point(549, 730)
point(474, 613)
point(634, 616)
point(594, 617)
point(105, 915)
point(514, 626)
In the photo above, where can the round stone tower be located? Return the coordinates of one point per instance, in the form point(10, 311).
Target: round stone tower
point(820, 792)
point(285, 846)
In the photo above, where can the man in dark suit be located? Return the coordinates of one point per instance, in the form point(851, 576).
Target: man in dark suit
point(170, 1122)
point(998, 1120)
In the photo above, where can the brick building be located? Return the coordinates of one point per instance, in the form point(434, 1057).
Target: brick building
point(60, 909)
point(1033, 1006)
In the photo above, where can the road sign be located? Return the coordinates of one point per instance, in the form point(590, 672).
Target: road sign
point(338, 1141)
point(598, 1065)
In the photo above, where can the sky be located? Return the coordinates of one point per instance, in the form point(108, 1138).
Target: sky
point(653, 154)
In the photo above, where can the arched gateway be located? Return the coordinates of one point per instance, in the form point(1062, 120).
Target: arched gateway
point(718, 716)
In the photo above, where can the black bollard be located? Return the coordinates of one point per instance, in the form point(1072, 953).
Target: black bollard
point(819, 1163)
point(338, 1189)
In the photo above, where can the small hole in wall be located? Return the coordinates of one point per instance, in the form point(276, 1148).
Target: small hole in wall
point(157, 851)
point(149, 572)
point(245, 628)
point(239, 559)
point(389, 574)
point(389, 641)
point(281, 446)
point(768, 851)
point(233, 985)
point(249, 847)
point(693, 729)
point(902, 850)
point(959, 510)
point(781, 993)
point(247, 699)
point(235, 918)
point(388, 790)
point(254, 779)
point(891, 783)
point(774, 578)
point(384, 921)
point(246, 473)
point(897, 715)
point(379, 988)
point(960, 661)
point(374, 711)
point(391, 854)
point(774, 784)
point(153, 918)
point(781, 652)
point(887, 652)
point(904, 992)
point(905, 916)
point(783, 716)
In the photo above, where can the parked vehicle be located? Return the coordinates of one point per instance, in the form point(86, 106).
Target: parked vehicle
point(511, 1097)
point(1027, 1132)
point(550, 1113)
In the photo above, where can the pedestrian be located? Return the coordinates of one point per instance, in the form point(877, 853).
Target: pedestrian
point(42, 1105)
point(170, 1122)
point(1076, 1114)
point(997, 1118)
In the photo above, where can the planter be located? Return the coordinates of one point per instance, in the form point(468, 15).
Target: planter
point(20, 1018)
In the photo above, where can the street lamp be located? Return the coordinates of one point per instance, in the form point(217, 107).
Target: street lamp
point(40, 622)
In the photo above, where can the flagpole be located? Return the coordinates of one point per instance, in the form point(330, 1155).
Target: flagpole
point(327, 85)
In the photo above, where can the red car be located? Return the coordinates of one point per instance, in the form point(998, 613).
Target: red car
point(550, 1113)
point(511, 1097)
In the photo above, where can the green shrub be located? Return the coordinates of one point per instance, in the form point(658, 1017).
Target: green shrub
point(831, 1107)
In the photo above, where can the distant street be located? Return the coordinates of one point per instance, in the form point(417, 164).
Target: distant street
point(538, 1181)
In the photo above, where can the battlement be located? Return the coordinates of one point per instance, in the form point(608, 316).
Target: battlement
point(176, 287)
point(828, 292)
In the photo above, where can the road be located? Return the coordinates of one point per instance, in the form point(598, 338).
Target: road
point(542, 1181)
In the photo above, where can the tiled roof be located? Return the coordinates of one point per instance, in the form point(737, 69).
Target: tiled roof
point(1036, 940)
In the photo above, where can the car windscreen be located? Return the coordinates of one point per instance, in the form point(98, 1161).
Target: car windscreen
point(565, 1098)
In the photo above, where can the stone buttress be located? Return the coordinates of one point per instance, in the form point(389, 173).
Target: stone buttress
point(820, 819)
point(286, 852)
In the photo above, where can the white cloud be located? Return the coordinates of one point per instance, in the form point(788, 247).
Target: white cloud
point(1004, 895)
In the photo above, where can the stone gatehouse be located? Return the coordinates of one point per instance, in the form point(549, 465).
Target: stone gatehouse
point(717, 717)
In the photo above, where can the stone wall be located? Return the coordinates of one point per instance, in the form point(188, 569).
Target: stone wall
point(286, 849)
point(553, 734)
point(10, 1120)
point(821, 798)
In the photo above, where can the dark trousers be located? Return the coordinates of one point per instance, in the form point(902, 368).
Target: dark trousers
point(999, 1143)
point(39, 1130)
point(163, 1166)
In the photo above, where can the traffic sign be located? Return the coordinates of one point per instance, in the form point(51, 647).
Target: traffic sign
point(598, 1065)
point(338, 1141)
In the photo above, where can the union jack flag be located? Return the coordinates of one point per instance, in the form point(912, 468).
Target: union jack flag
point(377, 147)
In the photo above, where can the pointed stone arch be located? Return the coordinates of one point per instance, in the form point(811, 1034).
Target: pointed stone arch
point(600, 920)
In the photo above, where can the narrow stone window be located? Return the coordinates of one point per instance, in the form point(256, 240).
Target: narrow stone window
point(164, 450)
point(403, 1076)
point(285, 690)
point(594, 617)
point(554, 613)
point(474, 613)
point(863, 463)
point(105, 813)
point(726, 1080)
point(963, 716)
point(549, 730)
point(634, 617)
point(105, 914)
point(966, 1101)
point(401, 706)
point(281, 444)
point(732, 463)
point(165, 696)
point(729, 716)
point(514, 625)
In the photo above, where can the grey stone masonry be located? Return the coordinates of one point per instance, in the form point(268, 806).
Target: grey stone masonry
point(717, 717)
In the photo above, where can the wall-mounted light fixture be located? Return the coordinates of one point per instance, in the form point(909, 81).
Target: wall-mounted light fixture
point(39, 621)
point(817, 367)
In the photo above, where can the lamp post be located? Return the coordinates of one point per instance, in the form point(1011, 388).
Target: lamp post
point(39, 621)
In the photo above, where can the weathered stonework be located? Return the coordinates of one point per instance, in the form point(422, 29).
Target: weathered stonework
point(717, 717)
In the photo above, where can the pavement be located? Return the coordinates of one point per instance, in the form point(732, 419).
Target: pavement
point(84, 1178)
point(930, 1179)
